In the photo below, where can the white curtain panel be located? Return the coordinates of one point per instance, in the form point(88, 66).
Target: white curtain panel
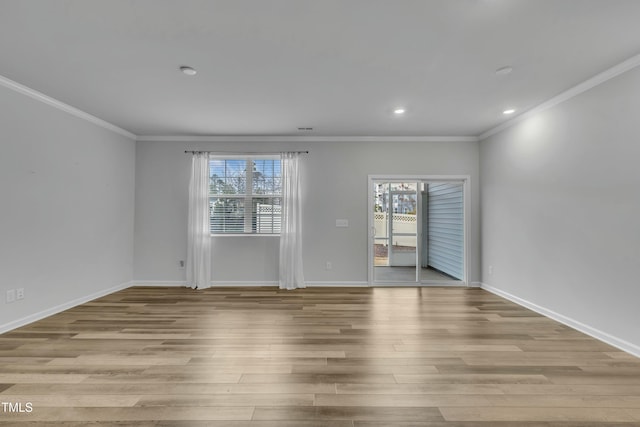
point(291, 276)
point(199, 238)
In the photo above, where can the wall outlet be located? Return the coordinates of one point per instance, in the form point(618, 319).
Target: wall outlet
point(490, 270)
point(328, 265)
point(342, 222)
point(11, 295)
point(20, 293)
point(181, 265)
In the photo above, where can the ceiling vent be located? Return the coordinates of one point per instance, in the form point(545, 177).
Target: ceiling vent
point(305, 129)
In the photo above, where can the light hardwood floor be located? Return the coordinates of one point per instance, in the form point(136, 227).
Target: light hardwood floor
point(316, 357)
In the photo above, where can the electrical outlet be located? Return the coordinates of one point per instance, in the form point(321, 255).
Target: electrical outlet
point(490, 270)
point(328, 265)
point(20, 293)
point(11, 295)
point(181, 265)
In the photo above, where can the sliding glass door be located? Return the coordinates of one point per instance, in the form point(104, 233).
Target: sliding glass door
point(395, 231)
point(417, 231)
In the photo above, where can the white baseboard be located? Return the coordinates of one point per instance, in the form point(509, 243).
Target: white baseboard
point(157, 283)
point(586, 329)
point(213, 283)
point(241, 283)
point(310, 283)
point(245, 283)
point(341, 284)
point(58, 308)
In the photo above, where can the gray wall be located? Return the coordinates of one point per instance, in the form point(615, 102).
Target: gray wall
point(335, 187)
point(560, 209)
point(66, 221)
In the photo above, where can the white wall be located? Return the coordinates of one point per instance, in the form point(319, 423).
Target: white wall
point(560, 210)
point(66, 218)
point(335, 186)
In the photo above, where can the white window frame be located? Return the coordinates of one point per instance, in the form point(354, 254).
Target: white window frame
point(248, 197)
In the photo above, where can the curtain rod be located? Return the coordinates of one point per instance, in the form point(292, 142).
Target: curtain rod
point(236, 153)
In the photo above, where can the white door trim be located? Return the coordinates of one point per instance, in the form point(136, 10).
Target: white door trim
point(466, 188)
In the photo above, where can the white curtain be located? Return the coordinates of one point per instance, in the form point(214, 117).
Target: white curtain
point(291, 276)
point(199, 239)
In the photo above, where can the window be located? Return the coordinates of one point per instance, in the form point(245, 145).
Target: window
point(245, 195)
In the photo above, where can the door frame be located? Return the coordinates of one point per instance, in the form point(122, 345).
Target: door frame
point(390, 218)
point(466, 188)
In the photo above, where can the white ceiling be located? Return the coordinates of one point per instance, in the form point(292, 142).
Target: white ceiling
point(267, 67)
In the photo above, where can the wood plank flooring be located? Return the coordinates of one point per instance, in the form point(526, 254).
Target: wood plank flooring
point(334, 357)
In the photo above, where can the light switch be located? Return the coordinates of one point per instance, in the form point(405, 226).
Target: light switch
point(342, 222)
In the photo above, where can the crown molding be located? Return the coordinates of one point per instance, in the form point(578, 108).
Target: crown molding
point(290, 138)
point(588, 84)
point(39, 96)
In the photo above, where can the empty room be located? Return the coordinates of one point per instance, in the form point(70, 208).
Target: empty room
point(310, 213)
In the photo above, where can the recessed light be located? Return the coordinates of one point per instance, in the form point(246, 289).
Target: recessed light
point(399, 111)
point(188, 70)
point(503, 71)
point(509, 111)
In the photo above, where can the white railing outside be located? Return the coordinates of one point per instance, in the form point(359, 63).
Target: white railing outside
point(402, 223)
point(268, 218)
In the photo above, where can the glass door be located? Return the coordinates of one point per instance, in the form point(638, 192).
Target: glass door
point(395, 231)
point(418, 230)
